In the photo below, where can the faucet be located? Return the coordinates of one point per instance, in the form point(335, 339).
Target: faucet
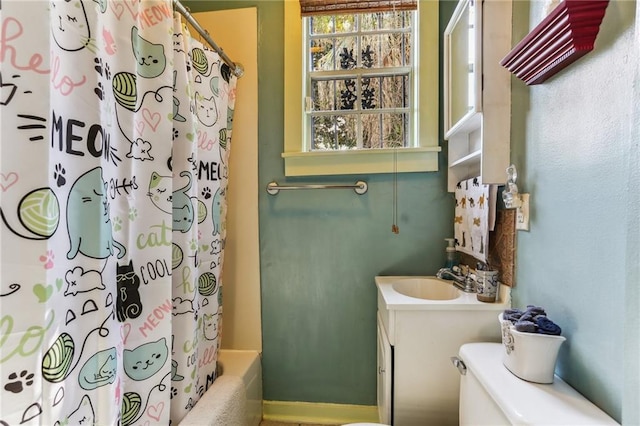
point(464, 281)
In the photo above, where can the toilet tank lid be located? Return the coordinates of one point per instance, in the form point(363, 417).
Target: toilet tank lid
point(526, 403)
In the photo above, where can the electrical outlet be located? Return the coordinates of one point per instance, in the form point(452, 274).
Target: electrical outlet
point(522, 213)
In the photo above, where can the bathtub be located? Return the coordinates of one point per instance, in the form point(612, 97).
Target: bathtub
point(235, 398)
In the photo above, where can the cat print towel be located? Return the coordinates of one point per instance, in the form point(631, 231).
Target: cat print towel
point(474, 217)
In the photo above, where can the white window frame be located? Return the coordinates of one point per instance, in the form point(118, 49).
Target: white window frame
point(422, 153)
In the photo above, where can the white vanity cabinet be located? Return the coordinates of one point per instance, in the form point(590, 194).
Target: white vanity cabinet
point(477, 95)
point(385, 378)
point(417, 383)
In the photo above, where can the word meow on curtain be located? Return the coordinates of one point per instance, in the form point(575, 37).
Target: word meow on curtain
point(114, 145)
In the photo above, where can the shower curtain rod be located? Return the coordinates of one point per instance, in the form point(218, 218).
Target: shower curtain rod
point(236, 68)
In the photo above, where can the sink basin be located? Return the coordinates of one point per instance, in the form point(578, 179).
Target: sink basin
point(427, 288)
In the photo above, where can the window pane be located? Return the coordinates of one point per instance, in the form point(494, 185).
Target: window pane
point(322, 55)
point(345, 48)
point(395, 91)
point(346, 93)
point(370, 92)
point(395, 50)
point(370, 21)
point(345, 23)
point(331, 24)
point(394, 127)
point(384, 130)
point(370, 54)
point(334, 132)
point(406, 50)
point(321, 24)
point(323, 133)
point(346, 129)
point(323, 95)
point(371, 130)
point(395, 20)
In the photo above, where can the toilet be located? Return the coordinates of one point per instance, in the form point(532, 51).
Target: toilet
point(491, 395)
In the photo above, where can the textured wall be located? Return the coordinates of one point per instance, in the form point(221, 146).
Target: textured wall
point(572, 145)
point(630, 406)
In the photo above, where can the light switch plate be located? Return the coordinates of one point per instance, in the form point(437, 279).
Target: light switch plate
point(522, 214)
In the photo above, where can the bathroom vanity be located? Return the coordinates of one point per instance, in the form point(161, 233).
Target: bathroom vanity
point(422, 322)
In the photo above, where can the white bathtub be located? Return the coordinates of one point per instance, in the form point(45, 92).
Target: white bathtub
point(238, 369)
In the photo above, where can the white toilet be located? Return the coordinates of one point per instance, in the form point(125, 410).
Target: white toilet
point(491, 395)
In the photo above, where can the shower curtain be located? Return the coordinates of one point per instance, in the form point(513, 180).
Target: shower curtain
point(115, 134)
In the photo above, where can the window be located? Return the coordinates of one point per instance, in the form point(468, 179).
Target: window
point(359, 80)
point(361, 93)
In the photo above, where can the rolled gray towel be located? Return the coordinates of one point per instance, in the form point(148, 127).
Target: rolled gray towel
point(535, 310)
point(546, 326)
point(527, 316)
point(512, 315)
point(526, 326)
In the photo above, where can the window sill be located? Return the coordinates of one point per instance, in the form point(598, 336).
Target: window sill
point(360, 161)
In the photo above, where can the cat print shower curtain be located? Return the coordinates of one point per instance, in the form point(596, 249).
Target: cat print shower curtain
point(115, 135)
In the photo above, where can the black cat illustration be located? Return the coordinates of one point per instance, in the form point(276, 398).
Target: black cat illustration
point(128, 303)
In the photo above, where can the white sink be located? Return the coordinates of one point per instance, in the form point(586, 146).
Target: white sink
point(428, 292)
point(428, 288)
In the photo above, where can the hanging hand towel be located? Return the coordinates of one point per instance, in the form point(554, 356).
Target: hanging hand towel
point(472, 217)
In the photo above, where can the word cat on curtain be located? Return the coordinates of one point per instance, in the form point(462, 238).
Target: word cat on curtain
point(115, 137)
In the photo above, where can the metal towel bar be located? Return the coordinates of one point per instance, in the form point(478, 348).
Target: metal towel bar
point(360, 187)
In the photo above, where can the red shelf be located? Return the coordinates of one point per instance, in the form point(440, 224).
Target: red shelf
point(564, 36)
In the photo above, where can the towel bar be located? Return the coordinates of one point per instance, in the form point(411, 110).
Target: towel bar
point(360, 187)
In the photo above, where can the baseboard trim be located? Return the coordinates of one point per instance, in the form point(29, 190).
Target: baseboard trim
point(318, 412)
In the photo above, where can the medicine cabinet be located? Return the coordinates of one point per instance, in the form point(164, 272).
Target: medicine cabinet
point(477, 98)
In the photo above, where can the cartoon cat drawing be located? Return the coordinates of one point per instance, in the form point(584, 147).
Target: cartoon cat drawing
point(88, 221)
point(230, 112)
point(206, 110)
point(83, 415)
point(176, 111)
point(226, 72)
point(183, 211)
point(178, 202)
point(160, 192)
point(175, 377)
point(145, 360)
point(99, 370)
point(128, 304)
point(216, 211)
point(150, 58)
point(69, 25)
point(210, 326)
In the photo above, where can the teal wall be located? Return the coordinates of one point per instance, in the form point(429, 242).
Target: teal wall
point(572, 143)
point(320, 250)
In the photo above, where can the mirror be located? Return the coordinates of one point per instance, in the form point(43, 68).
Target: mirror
point(462, 67)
